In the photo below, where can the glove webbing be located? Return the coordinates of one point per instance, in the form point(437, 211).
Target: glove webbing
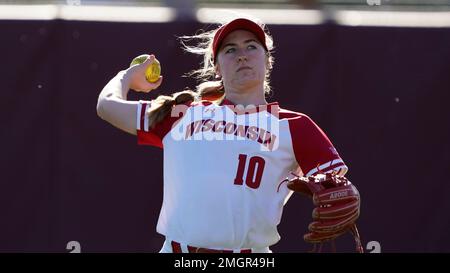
point(317, 247)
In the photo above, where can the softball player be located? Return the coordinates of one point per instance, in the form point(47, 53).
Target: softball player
point(225, 148)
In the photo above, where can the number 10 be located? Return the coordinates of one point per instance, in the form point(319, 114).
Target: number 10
point(256, 164)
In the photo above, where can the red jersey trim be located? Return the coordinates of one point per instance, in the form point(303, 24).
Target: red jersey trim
point(333, 165)
point(313, 150)
point(154, 136)
point(272, 107)
point(142, 116)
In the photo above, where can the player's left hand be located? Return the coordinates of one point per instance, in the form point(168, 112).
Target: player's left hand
point(337, 208)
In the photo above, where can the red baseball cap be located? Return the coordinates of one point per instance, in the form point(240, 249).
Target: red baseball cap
point(236, 24)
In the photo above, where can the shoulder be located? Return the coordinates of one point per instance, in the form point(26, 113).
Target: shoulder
point(299, 122)
point(292, 115)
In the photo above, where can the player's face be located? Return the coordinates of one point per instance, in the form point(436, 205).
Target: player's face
point(241, 61)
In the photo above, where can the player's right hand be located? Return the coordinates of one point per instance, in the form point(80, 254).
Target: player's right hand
point(136, 76)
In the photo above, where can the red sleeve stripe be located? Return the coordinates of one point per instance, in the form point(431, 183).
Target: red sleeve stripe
point(336, 164)
point(142, 120)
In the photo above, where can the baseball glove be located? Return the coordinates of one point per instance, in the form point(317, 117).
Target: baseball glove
point(337, 207)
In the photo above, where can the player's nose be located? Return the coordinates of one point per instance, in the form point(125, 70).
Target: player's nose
point(241, 58)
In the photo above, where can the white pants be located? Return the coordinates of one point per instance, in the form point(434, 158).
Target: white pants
point(167, 248)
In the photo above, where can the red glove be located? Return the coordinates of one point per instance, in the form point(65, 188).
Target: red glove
point(337, 208)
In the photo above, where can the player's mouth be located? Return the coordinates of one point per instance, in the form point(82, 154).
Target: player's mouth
point(243, 68)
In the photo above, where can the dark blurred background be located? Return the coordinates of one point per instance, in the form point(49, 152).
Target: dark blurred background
point(375, 75)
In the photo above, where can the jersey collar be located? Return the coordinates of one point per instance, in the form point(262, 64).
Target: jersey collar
point(270, 107)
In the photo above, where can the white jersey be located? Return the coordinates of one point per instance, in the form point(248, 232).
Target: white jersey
point(223, 168)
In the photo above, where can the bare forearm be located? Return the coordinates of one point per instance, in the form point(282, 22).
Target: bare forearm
point(113, 107)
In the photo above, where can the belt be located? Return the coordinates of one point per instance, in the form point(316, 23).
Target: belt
point(176, 248)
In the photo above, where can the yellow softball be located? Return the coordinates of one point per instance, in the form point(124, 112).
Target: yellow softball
point(153, 71)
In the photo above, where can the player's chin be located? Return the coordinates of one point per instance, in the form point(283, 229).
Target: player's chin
point(247, 81)
point(244, 87)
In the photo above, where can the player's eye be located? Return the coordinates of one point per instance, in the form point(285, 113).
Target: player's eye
point(230, 50)
point(251, 47)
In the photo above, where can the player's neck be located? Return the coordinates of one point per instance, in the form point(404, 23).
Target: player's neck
point(249, 97)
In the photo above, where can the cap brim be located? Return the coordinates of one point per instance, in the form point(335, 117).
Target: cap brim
point(236, 24)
